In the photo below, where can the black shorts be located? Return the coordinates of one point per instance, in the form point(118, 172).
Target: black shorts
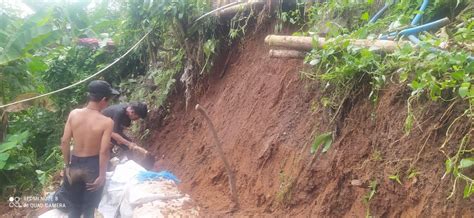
point(77, 198)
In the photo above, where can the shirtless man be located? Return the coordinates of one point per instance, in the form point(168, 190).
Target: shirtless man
point(85, 168)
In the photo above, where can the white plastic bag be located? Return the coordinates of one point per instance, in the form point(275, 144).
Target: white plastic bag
point(55, 213)
point(117, 183)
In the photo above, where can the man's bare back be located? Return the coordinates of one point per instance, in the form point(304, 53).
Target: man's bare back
point(89, 129)
point(86, 165)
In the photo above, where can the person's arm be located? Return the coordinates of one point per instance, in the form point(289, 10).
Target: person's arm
point(65, 141)
point(121, 140)
point(117, 132)
point(103, 157)
point(105, 147)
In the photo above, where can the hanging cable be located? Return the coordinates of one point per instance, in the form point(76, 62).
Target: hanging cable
point(81, 81)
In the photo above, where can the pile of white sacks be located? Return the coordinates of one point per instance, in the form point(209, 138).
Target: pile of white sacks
point(124, 196)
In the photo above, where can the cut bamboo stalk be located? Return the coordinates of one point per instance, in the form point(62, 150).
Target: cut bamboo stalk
point(290, 42)
point(286, 54)
point(305, 43)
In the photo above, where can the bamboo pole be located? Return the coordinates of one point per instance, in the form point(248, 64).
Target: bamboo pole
point(290, 42)
point(305, 43)
point(286, 54)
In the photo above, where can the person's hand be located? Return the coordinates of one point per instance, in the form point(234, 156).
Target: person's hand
point(141, 152)
point(99, 182)
point(65, 173)
point(132, 146)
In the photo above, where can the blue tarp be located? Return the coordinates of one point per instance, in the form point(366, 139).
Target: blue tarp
point(149, 176)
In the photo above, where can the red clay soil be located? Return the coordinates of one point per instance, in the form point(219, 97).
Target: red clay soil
point(267, 116)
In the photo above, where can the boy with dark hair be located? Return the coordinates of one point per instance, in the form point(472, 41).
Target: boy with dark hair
point(85, 167)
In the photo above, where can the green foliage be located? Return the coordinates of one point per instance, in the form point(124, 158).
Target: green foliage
point(45, 126)
point(12, 141)
point(18, 40)
point(337, 17)
point(373, 190)
point(322, 139)
point(434, 73)
point(70, 65)
point(413, 173)
point(294, 16)
point(38, 55)
point(466, 162)
point(341, 63)
point(161, 83)
point(239, 23)
point(209, 50)
point(396, 178)
point(439, 76)
point(465, 33)
point(410, 116)
point(28, 44)
point(175, 38)
point(459, 164)
point(21, 171)
point(369, 195)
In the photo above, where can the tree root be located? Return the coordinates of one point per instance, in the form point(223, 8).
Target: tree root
point(230, 173)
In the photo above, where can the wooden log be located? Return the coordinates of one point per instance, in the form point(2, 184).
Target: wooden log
point(286, 54)
point(304, 43)
point(290, 42)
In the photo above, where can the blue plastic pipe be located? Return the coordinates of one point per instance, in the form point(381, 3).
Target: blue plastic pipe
point(414, 30)
point(410, 32)
point(418, 16)
point(414, 39)
point(389, 36)
point(428, 26)
point(379, 13)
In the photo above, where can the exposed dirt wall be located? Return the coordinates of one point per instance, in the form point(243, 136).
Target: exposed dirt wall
point(267, 117)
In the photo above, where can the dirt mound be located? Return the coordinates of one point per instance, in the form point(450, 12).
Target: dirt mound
point(267, 117)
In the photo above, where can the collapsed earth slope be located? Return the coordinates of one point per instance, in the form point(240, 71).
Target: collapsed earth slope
point(267, 116)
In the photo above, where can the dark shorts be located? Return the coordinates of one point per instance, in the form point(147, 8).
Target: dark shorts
point(75, 195)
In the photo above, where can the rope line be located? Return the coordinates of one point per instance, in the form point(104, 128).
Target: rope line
point(108, 66)
point(80, 81)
